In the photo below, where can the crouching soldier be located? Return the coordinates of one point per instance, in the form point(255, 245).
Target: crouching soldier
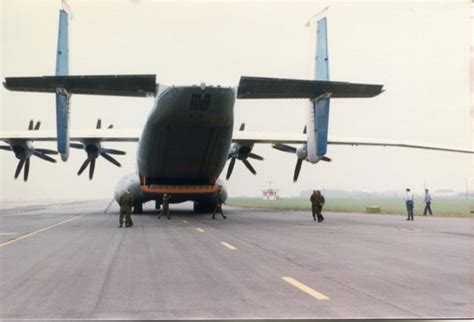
point(218, 207)
point(126, 209)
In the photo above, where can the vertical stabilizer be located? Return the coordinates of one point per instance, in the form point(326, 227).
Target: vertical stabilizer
point(62, 96)
point(318, 120)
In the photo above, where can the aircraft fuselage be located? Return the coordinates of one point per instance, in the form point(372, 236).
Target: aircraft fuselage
point(187, 136)
point(185, 142)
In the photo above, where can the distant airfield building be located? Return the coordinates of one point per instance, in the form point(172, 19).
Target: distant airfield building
point(445, 193)
point(270, 194)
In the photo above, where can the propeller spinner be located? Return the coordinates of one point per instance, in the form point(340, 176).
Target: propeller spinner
point(242, 153)
point(24, 149)
point(94, 149)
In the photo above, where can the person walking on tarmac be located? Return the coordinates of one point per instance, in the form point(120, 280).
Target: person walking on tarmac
point(317, 202)
point(165, 210)
point(427, 203)
point(218, 207)
point(125, 203)
point(410, 203)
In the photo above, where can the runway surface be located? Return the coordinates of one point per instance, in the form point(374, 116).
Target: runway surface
point(71, 261)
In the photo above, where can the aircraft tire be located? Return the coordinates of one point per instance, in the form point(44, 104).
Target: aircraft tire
point(203, 207)
point(138, 208)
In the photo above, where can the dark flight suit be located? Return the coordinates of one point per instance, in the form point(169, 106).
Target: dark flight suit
point(317, 202)
point(126, 209)
point(218, 207)
point(165, 209)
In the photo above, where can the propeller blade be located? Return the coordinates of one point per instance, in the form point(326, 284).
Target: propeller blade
point(255, 156)
point(76, 145)
point(30, 125)
point(297, 169)
point(19, 167)
point(110, 159)
point(91, 169)
point(110, 126)
point(284, 147)
point(242, 127)
point(43, 156)
point(46, 151)
point(37, 126)
point(230, 168)
point(27, 169)
point(99, 124)
point(6, 148)
point(304, 130)
point(113, 151)
point(249, 166)
point(326, 159)
point(83, 167)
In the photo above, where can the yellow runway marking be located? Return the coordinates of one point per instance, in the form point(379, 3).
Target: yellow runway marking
point(228, 245)
point(39, 231)
point(185, 221)
point(306, 289)
point(199, 229)
point(7, 234)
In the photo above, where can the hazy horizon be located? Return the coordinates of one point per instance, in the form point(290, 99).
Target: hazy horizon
point(425, 66)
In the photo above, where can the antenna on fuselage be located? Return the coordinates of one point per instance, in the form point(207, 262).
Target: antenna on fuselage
point(311, 19)
point(65, 6)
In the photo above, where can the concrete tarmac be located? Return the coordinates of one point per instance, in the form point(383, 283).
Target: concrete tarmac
point(71, 261)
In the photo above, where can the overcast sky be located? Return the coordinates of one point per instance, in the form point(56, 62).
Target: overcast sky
point(420, 51)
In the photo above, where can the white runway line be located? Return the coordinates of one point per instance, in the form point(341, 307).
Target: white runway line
point(39, 231)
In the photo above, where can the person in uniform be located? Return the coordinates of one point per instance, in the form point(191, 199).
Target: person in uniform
point(125, 203)
point(317, 202)
point(427, 203)
point(165, 210)
point(410, 203)
point(218, 207)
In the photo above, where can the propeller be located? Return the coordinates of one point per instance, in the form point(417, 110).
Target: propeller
point(301, 154)
point(94, 149)
point(24, 149)
point(99, 125)
point(242, 153)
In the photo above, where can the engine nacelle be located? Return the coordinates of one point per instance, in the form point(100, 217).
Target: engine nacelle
point(240, 151)
point(22, 148)
point(132, 183)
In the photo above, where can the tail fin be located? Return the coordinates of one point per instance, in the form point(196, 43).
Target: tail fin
point(62, 96)
point(318, 118)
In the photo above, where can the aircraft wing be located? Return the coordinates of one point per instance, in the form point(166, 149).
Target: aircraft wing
point(248, 137)
point(274, 88)
point(394, 143)
point(118, 85)
point(105, 135)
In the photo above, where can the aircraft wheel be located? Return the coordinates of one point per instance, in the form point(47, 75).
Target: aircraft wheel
point(203, 207)
point(138, 208)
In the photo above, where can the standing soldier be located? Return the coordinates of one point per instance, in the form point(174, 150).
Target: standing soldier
point(126, 209)
point(410, 203)
point(218, 207)
point(165, 210)
point(427, 203)
point(317, 202)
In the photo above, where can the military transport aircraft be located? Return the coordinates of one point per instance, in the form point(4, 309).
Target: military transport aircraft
point(188, 137)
